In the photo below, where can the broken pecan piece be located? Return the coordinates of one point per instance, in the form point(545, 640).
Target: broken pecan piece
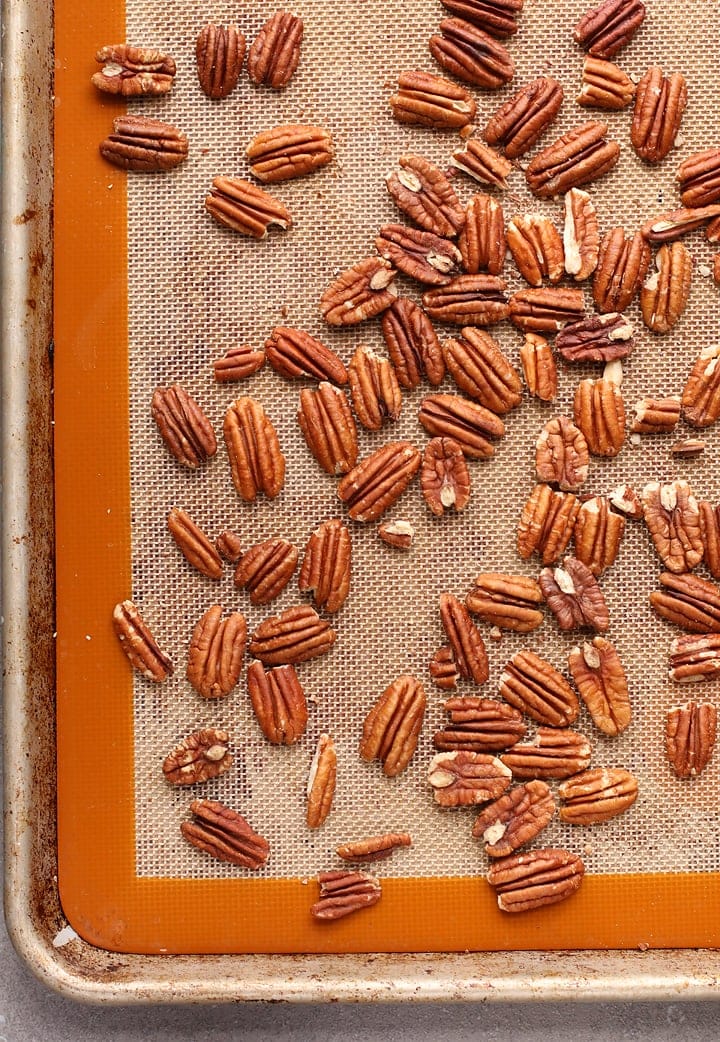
point(710, 533)
point(627, 501)
point(574, 597)
point(225, 834)
point(599, 412)
point(245, 208)
point(328, 425)
point(546, 523)
point(342, 893)
point(294, 353)
point(561, 455)
point(374, 387)
point(391, 728)
point(422, 191)
point(673, 520)
point(482, 239)
point(605, 86)
point(695, 658)
point(580, 156)
point(432, 101)
point(515, 818)
point(266, 569)
point(469, 300)
point(673, 225)
point(521, 121)
point(665, 292)
point(699, 178)
point(275, 52)
point(194, 545)
point(621, 269)
point(321, 782)
point(690, 732)
point(465, 779)
point(238, 363)
point(378, 481)
point(701, 394)
point(481, 725)
point(581, 237)
point(325, 570)
point(598, 531)
point(359, 293)
point(422, 255)
point(471, 425)
point(600, 338)
point(498, 17)
point(184, 427)
point(471, 55)
point(138, 643)
point(141, 143)
point(398, 533)
point(482, 163)
point(539, 368)
point(289, 151)
point(481, 370)
point(296, 635)
point(659, 105)
point(133, 72)
point(467, 644)
point(375, 848)
point(524, 882)
point(546, 309)
point(656, 415)
point(532, 685)
point(510, 602)
point(605, 29)
point(443, 669)
point(553, 753)
point(219, 53)
point(444, 476)
point(229, 546)
point(690, 602)
point(199, 757)
point(278, 702)
point(597, 795)
point(216, 652)
point(256, 461)
point(412, 344)
point(536, 248)
point(600, 678)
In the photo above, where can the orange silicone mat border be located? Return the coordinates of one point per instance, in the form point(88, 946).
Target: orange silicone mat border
point(103, 899)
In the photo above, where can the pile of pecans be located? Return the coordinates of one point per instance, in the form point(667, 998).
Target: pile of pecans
point(457, 254)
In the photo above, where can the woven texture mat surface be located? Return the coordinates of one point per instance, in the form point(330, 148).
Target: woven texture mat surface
point(196, 289)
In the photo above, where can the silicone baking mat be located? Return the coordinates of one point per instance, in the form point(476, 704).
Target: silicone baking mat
point(149, 290)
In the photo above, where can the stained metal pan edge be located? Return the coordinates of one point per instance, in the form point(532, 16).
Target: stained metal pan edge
point(32, 907)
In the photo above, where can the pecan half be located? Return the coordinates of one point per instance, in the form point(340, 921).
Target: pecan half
point(605, 29)
point(515, 818)
point(600, 338)
point(141, 143)
point(481, 725)
point(266, 569)
point(524, 882)
point(656, 415)
point(693, 659)
point(539, 369)
point(659, 105)
point(422, 255)
point(256, 462)
point(422, 191)
point(599, 412)
point(561, 454)
point(229, 546)
point(412, 344)
point(133, 72)
point(536, 248)
point(701, 394)
point(245, 208)
point(482, 163)
point(574, 597)
point(510, 602)
point(194, 545)
point(225, 834)
point(699, 178)
point(580, 156)
point(328, 425)
point(184, 427)
point(498, 17)
point(296, 635)
point(553, 753)
point(398, 533)
point(673, 520)
point(378, 481)
point(375, 848)
point(546, 309)
point(521, 121)
point(275, 52)
point(581, 237)
point(465, 779)
point(199, 757)
point(622, 266)
point(471, 425)
point(532, 685)
point(597, 795)
point(278, 702)
point(342, 893)
point(605, 86)
point(471, 55)
point(374, 388)
point(665, 292)
point(690, 602)
point(690, 732)
point(391, 728)
point(138, 643)
point(546, 523)
point(465, 639)
point(469, 300)
point(710, 533)
point(237, 364)
point(481, 370)
point(294, 353)
point(673, 225)
point(359, 293)
point(325, 570)
point(482, 239)
point(219, 53)
point(216, 653)
point(598, 531)
point(321, 782)
point(444, 476)
point(600, 678)
point(289, 151)
point(443, 669)
point(431, 101)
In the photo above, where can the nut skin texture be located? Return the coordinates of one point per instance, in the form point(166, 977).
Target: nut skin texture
point(659, 105)
point(581, 236)
point(574, 597)
point(219, 53)
point(412, 344)
point(274, 54)
point(599, 412)
point(481, 370)
point(525, 882)
point(519, 815)
point(539, 368)
point(374, 848)
point(374, 387)
point(184, 427)
point(199, 757)
point(144, 144)
point(244, 208)
point(578, 157)
point(237, 364)
point(465, 639)
point(599, 338)
point(673, 519)
point(224, 834)
point(497, 17)
point(194, 545)
point(422, 191)
point(536, 248)
point(690, 602)
point(482, 239)
point(482, 163)
point(444, 476)
point(321, 782)
point(605, 29)
point(359, 293)
point(471, 55)
point(561, 455)
point(471, 425)
point(326, 566)
point(481, 725)
point(690, 732)
point(424, 256)
point(621, 269)
point(695, 658)
point(138, 643)
point(465, 779)
point(443, 669)
point(597, 795)
point(699, 178)
point(343, 892)
point(664, 294)
point(598, 532)
point(289, 151)
point(296, 635)
point(546, 523)
point(432, 101)
point(553, 753)
point(133, 72)
point(391, 728)
point(216, 652)
point(469, 300)
point(605, 86)
point(328, 425)
point(266, 569)
point(710, 533)
point(701, 394)
point(378, 481)
point(600, 678)
point(656, 415)
point(522, 120)
point(511, 602)
point(256, 461)
point(546, 309)
point(533, 686)
point(278, 701)
point(294, 353)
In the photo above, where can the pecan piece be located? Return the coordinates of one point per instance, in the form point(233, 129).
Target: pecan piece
point(219, 53)
point(600, 678)
point(289, 151)
point(374, 388)
point(498, 17)
point(294, 353)
point(471, 55)
point(553, 753)
point(546, 309)
point(621, 269)
point(431, 101)
point(710, 533)
point(465, 640)
point(580, 156)
point(690, 732)
point(574, 597)
point(194, 545)
point(599, 412)
point(465, 779)
point(412, 344)
point(690, 448)
point(561, 455)
point(665, 292)
point(510, 602)
point(597, 795)
point(693, 659)
point(659, 105)
point(536, 248)
point(690, 602)
point(199, 757)
point(522, 120)
point(524, 882)
point(141, 143)
point(605, 86)
point(598, 531)
point(361, 292)
point(701, 394)
point(216, 653)
point(581, 238)
point(515, 818)
point(469, 424)
point(237, 364)
point(673, 520)
point(325, 570)
point(532, 685)
point(482, 239)
point(184, 427)
point(539, 369)
point(443, 668)
point(391, 728)
point(278, 702)
point(481, 725)
point(256, 462)
point(673, 225)
point(422, 191)
point(546, 523)
point(600, 338)
point(481, 370)
point(656, 415)
point(133, 72)
point(138, 643)
point(275, 52)
point(605, 29)
point(699, 178)
point(482, 163)
point(422, 255)
point(296, 635)
point(266, 569)
point(342, 893)
point(225, 834)
point(321, 782)
point(229, 546)
point(444, 476)
point(328, 425)
point(245, 208)
point(378, 481)
point(398, 533)
point(375, 848)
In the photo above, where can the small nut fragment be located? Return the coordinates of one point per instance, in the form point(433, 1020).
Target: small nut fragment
point(690, 732)
point(375, 848)
point(184, 427)
point(328, 425)
point(412, 344)
point(296, 635)
point(398, 533)
point(539, 369)
point(482, 163)
point(522, 120)
point(574, 597)
point(710, 533)
point(546, 523)
point(293, 353)
point(627, 501)
point(659, 105)
point(664, 294)
point(689, 448)
point(199, 757)
point(465, 779)
point(546, 309)
point(597, 795)
point(669, 226)
point(508, 601)
point(515, 818)
point(471, 55)
point(220, 53)
point(598, 531)
point(274, 54)
point(245, 208)
point(422, 255)
point(225, 834)
point(237, 364)
point(656, 415)
point(469, 300)
point(443, 668)
point(325, 570)
point(605, 86)
point(532, 685)
point(600, 678)
point(621, 269)
point(561, 454)
point(138, 643)
point(580, 156)
point(144, 144)
point(229, 546)
point(498, 17)
point(359, 293)
point(690, 602)
point(611, 25)
point(465, 639)
point(444, 476)
point(342, 893)
point(481, 725)
point(194, 545)
point(391, 728)
point(431, 101)
point(374, 387)
point(289, 151)
point(216, 652)
point(581, 237)
point(469, 424)
point(321, 782)
point(600, 338)
point(701, 395)
point(673, 520)
point(599, 412)
point(266, 569)
point(699, 178)
point(695, 658)
point(524, 882)
point(378, 481)
point(279, 703)
point(256, 461)
point(422, 191)
point(480, 369)
point(482, 239)
point(133, 72)
point(553, 753)
point(537, 248)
